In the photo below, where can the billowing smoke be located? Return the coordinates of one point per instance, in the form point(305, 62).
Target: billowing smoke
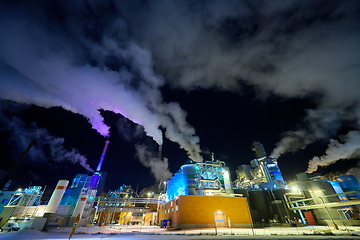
point(82, 59)
point(294, 49)
point(293, 141)
point(348, 148)
point(159, 167)
point(92, 55)
point(321, 124)
point(47, 148)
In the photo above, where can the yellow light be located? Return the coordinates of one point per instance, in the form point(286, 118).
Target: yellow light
point(219, 211)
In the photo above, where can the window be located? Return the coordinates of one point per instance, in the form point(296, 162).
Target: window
point(172, 209)
point(169, 210)
point(177, 208)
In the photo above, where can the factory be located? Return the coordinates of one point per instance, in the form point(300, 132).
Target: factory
point(199, 195)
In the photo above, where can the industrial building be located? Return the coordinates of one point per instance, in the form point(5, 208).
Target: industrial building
point(199, 195)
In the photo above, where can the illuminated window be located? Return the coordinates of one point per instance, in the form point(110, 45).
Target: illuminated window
point(177, 208)
point(171, 204)
point(172, 209)
point(169, 210)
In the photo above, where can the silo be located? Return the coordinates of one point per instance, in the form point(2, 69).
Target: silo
point(56, 196)
point(80, 205)
point(189, 172)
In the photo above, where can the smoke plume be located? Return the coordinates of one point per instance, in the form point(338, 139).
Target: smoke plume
point(83, 63)
point(349, 148)
point(297, 49)
point(116, 55)
point(159, 167)
point(47, 148)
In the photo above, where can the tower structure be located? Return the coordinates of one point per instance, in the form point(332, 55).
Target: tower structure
point(95, 179)
point(267, 173)
point(83, 190)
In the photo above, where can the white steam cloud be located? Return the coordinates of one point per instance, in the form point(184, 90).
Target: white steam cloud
point(47, 63)
point(294, 49)
point(90, 56)
point(350, 148)
point(159, 167)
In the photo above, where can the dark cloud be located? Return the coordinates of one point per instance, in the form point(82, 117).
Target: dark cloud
point(79, 58)
point(46, 149)
point(118, 55)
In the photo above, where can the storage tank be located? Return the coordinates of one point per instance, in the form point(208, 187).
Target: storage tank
point(318, 190)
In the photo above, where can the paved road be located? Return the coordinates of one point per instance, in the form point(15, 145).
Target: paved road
point(152, 233)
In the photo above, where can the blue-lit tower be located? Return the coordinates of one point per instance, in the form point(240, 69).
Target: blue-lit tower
point(95, 179)
point(84, 188)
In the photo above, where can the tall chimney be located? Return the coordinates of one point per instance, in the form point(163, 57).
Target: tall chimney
point(160, 152)
point(102, 156)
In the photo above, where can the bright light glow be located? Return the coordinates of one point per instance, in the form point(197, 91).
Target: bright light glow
point(294, 189)
point(219, 211)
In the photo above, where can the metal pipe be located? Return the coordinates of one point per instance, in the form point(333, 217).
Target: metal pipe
point(328, 212)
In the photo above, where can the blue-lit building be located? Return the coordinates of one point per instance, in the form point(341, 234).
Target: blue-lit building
point(207, 179)
point(262, 173)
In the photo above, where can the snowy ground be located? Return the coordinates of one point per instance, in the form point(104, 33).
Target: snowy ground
point(152, 233)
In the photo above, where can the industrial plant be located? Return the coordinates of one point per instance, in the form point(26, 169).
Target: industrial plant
point(199, 195)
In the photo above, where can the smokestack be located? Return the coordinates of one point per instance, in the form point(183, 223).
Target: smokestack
point(80, 205)
point(56, 196)
point(160, 152)
point(102, 156)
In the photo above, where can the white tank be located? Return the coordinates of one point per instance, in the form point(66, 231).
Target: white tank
point(56, 196)
point(80, 205)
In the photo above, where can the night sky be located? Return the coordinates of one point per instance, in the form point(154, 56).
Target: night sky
point(198, 77)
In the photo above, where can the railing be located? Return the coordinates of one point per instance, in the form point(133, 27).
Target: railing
point(318, 202)
point(113, 201)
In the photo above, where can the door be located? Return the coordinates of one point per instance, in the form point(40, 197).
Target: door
point(220, 218)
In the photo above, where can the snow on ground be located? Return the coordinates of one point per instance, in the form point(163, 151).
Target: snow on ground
point(152, 233)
